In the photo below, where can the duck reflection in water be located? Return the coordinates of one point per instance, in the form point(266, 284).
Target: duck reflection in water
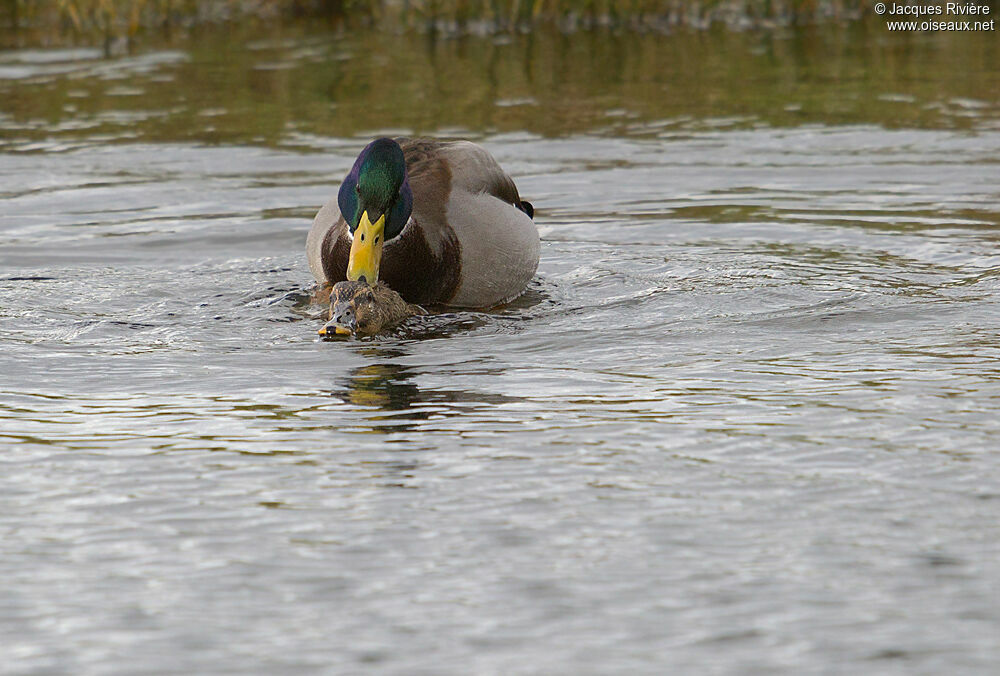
point(382, 385)
point(398, 404)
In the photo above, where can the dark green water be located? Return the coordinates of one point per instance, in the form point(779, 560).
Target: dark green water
point(744, 420)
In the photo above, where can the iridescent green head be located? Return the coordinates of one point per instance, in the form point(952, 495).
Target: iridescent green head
point(375, 200)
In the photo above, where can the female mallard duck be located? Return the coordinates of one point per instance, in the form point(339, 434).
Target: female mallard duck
point(437, 221)
point(365, 309)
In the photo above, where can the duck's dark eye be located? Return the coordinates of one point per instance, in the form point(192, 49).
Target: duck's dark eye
point(357, 188)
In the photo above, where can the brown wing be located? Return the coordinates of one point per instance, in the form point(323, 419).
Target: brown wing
point(465, 165)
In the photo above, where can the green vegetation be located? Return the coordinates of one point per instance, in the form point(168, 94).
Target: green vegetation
point(48, 21)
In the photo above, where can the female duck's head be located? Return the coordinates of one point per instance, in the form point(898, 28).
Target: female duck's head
point(376, 201)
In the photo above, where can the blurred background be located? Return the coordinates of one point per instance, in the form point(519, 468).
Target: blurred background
point(744, 419)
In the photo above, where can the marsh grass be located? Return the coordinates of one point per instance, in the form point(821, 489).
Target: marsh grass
point(121, 20)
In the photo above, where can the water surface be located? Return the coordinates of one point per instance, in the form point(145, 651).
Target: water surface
point(744, 420)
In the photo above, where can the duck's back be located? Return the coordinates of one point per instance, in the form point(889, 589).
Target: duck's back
point(497, 240)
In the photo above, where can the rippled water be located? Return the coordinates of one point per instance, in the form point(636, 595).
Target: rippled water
point(744, 420)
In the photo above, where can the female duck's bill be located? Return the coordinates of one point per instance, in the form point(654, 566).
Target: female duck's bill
point(343, 313)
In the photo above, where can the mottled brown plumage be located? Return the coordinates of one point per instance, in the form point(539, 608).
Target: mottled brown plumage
point(364, 310)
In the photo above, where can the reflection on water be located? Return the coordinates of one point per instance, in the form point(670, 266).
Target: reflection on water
point(380, 385)
point(395, 403)
point(304, 84)
point(746, 413)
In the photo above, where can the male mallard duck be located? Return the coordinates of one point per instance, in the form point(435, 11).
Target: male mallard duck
point(437, 221)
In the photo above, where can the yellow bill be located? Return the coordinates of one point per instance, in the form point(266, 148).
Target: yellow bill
point(333, 329)
point(366, 250)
